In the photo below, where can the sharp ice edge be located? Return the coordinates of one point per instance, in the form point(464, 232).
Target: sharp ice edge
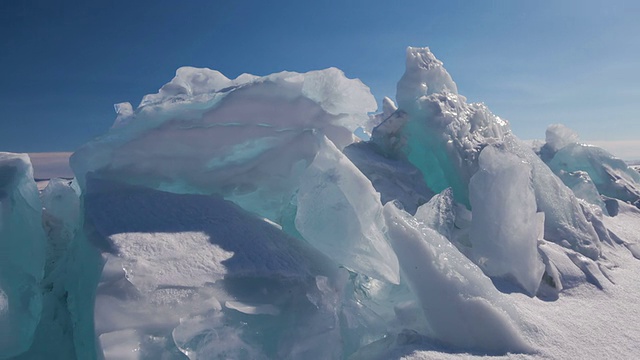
point(238, 219)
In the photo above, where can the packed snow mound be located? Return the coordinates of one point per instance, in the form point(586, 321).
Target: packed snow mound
point(22, 254)
point(187, 273)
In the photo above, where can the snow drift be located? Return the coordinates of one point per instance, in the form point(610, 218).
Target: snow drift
point(242, 219)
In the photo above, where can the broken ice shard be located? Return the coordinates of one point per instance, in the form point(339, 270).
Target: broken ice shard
point(504, 230)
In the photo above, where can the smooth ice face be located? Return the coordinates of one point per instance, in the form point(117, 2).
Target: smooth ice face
point(460, 303)
point(504, 227)
point(22, 254)
point(333, 191)
point(247, 139)
point(564, 221)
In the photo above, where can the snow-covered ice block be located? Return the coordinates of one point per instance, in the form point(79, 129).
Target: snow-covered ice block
point(193, 272)
point(439, 213)
point(564, 222)
point(442, 135)
point(623, 227)
point(339, 213)
point(611, 176)
point(558, 136)
point(504, 227)
point(424, 76)
point(460, 303)
point(394, 178)
point(583, 187)
point(22, 254)
point(247, 139)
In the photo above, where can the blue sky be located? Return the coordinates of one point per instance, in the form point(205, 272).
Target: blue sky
point(534, 63)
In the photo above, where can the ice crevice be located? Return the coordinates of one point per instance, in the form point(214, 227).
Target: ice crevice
point(241, 218)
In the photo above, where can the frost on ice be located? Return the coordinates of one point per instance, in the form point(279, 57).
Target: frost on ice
point(240, 218)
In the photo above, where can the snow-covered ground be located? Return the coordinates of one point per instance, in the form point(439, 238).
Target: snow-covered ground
point(585, 322)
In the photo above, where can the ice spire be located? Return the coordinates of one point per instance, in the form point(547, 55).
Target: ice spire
point(424, 75)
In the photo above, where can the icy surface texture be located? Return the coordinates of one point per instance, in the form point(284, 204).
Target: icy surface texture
point(564, 221)
point(247, 139)
point(355, 238)
point(424, 75)
point(239, 219)
point(382, 161)
point(72, 270)
point(22, 254)
point(558, 136)
point(578, 164)
point(460, 303)
point(61, 218)
point(439, 213)
point(393, 178)
point(611, 176)
point(196, 276)
point(583, 187)
point(620, 230)
point(504, 228)
point(443, 135)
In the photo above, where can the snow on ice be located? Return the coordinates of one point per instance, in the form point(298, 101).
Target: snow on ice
point(242, 219)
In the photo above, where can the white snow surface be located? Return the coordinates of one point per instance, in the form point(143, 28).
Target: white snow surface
point(584, 323)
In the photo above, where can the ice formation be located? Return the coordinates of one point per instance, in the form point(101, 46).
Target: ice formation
point(242, 219)
point(467, 311)
point(592, 165)
point(22, 254)
point(504, 227)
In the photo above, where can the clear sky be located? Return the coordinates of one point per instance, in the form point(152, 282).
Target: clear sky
point(65, 63)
